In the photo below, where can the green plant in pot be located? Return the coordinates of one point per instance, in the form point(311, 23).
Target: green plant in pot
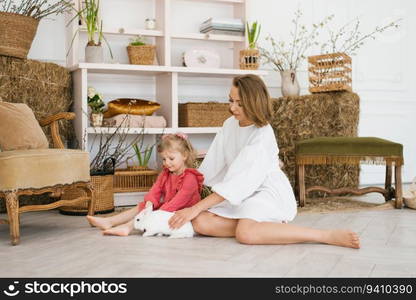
point(19, 22)
point(140, 53)
point(88, 14)
point(96, 104)
point(143, 154)
point(249, 58)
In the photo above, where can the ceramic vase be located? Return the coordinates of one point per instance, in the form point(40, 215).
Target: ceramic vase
point(94, 54)
point(290, 85)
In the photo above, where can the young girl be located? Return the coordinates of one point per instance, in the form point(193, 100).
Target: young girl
point(253, 200)
point(178, 186)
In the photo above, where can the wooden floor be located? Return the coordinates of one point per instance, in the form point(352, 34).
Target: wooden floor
point(54, 245)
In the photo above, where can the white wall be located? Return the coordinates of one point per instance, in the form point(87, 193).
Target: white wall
point(382, 70)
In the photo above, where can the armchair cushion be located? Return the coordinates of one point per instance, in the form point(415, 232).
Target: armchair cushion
point(40, 168)
point(19, 128)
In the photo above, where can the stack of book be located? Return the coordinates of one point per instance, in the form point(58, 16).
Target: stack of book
point(227, 26)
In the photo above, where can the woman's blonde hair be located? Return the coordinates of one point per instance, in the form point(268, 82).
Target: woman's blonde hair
point(178, 142)
point(254, 98)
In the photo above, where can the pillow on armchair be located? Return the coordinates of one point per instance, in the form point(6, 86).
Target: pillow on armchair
point(19, 129)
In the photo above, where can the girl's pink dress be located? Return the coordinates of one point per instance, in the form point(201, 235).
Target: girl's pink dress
point(173, 192)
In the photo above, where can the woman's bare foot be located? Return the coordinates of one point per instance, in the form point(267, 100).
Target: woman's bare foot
point(343, 238)
point(120, 230)
point(102, 223)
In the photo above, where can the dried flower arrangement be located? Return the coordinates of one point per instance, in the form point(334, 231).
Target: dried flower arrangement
point(348, 39)
point(37, 9)
point(288, 56)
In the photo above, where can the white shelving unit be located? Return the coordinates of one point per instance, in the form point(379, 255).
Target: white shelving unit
point(165, 75)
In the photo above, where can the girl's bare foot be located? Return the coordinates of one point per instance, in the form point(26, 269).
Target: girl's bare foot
point(343, 238)
point(121, 230)
point(102, 223)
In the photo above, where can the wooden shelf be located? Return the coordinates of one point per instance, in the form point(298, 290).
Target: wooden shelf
point(187, 130)
point(196, 130)
point(209, 37)
point(121, 68)
point(111, 130)
point(210, 72)
point(156, 70)
point(129, 31)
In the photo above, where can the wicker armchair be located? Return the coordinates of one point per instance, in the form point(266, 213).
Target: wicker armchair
point(38, 171)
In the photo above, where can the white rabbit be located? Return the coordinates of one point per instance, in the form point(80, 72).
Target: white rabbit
point(156, 223)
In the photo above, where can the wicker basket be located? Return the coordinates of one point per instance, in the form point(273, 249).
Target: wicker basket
point(249, 59)
point(134, 179)
point(210, 114)
point(330, 72)
point(16, 34)
point(141, 55)
point(103, 194)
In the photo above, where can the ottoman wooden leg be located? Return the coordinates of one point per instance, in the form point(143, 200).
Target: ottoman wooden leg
point(12, 204)
point(398, 184)
point(301, 185)
point(387, 185)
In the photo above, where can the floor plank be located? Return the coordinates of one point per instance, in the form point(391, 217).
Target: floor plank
point(53, 245)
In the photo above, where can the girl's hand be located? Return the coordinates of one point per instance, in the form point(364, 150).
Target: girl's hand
point(182, 216)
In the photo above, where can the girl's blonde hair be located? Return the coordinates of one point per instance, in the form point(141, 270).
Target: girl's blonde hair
point(178, 142)
point(254, 98)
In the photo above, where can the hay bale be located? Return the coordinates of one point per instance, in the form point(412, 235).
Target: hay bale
point(324, 114)
point(46, 88)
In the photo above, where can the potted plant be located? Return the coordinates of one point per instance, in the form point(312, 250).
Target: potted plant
point(249, 58)
point(140, 53)
point(143, 156)
point(96, 104)
point(88, 13)
point(19, 22)
point(136, 178)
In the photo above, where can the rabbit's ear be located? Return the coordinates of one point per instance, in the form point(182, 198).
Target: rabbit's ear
point(147, 210)
point(142, 214)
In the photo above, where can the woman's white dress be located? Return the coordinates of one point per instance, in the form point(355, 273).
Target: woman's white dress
point(242, 166)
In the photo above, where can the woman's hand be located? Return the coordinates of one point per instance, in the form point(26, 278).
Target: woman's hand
point(182, 216)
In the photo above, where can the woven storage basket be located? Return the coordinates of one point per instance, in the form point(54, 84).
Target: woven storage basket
point(210, 114)
point(134, 179)
point(141, 55)
point(103, 194)
point(330, 72)
point(16, 34)
point(249, 59)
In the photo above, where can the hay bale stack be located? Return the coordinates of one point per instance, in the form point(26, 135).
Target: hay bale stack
point(46, 88)
point(324, 114)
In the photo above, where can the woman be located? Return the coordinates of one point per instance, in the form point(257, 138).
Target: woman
point(252, 200)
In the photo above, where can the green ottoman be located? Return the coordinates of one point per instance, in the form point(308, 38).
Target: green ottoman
point(350, 150)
